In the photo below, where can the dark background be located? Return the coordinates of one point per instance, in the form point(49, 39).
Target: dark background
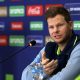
point(15, 65)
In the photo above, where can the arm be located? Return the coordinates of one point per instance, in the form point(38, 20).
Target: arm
point(26, 74)
point(72, 68)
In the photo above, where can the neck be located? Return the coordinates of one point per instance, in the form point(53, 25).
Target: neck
point(62, 46)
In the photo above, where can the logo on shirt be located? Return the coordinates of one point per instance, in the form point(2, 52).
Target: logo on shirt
point(73, 8)
point(16, 25)
point(16, 11)
point(2, 26)
point(37, 38)
point(15, 40)
point(36, 25)
point(36, 10)
point(9, 76)
point(76, 25)
point(3, 11)
point(3, 40)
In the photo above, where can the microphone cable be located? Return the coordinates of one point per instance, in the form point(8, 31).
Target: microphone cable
point(31, 43)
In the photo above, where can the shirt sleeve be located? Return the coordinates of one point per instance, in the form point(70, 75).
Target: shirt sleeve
point(72, 69)
point(38, 57)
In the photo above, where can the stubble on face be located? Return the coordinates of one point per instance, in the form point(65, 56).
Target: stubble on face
point(59, 29)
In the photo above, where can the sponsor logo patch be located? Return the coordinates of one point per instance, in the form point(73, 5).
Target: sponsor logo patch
point(3, 40)
point(15, 40)
point(49, 5)
point(1, 0)
point(38, 39)
point(16, 11)
point(16, 25)
point(36, 25)
point(73, 8)
point(2, 26)
point(3, 11)
point(36, 10)
point(76, 25)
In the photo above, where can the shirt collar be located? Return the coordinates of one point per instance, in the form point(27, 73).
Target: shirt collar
point(69, 45)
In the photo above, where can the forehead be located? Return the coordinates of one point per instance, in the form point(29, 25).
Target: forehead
point(56, 19)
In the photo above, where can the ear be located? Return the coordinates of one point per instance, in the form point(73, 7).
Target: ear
point(71, 24)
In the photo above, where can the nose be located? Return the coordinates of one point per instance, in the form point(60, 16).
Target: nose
point(55, 29)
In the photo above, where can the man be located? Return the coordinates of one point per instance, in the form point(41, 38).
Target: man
point(66, 47)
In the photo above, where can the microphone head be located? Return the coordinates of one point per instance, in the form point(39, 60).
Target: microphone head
point(32, 43)
point(50, 50)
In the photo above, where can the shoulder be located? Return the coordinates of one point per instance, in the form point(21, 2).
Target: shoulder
point(76, 50)
point(75, 55)
point(76, 47)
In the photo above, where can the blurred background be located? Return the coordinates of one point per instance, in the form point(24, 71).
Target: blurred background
point(22, 21)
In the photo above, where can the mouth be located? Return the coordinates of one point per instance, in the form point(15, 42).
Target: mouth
point(57, 36)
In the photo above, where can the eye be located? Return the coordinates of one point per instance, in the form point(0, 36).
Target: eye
point(60, 25)
point(50, 27)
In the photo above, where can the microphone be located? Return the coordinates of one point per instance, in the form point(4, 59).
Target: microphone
point(50, 51)
point(31, 43)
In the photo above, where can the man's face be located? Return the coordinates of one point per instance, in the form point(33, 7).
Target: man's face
point(59, 29)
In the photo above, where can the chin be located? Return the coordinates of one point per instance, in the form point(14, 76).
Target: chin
point(58, 41)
